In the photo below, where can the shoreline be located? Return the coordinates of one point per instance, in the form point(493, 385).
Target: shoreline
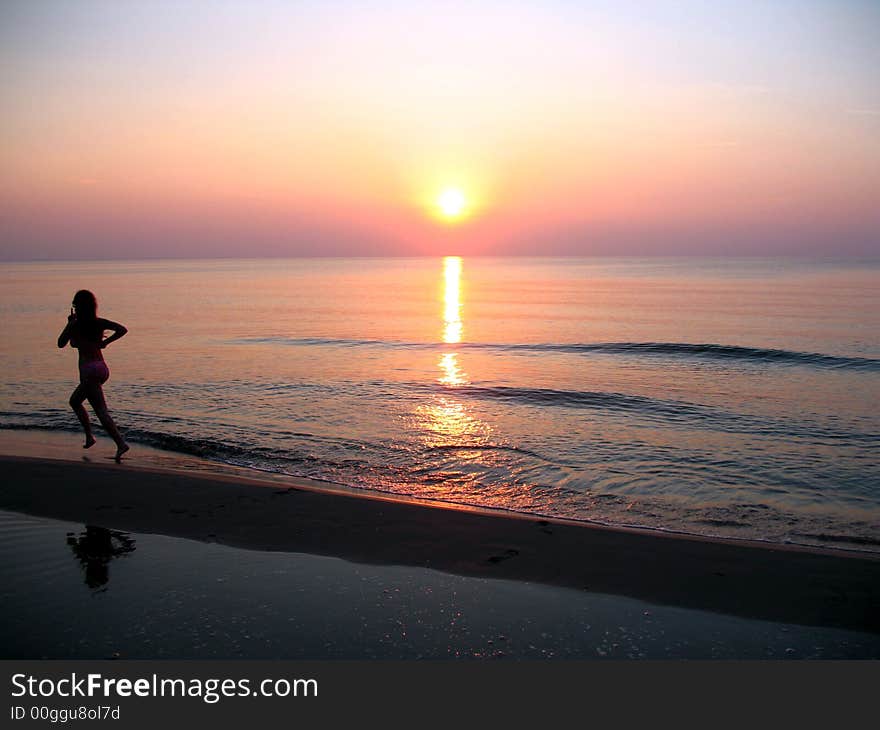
point(41, 444)
point(210, 503)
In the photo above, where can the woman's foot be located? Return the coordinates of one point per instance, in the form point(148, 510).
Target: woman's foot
point(121, 449)
point(90, 441)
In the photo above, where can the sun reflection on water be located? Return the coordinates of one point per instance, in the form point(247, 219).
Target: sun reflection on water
point(446, 421)
point(452, 327)
point(452, 374)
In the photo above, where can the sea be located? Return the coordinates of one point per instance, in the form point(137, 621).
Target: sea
point(726, 397)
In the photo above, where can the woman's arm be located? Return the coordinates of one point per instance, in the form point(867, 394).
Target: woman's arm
point(118, 331)
point(64, 337)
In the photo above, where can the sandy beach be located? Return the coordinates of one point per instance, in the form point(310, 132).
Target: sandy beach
point(198, 500)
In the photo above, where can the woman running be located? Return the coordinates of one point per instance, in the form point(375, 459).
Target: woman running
point(85, 331)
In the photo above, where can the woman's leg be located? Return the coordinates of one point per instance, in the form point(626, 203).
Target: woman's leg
point(95, 394)
point(76, 402)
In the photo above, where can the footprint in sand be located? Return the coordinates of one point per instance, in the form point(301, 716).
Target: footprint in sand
point(510, 553)
point(545, 527)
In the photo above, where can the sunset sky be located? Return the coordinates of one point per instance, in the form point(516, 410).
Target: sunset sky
point(273, 128)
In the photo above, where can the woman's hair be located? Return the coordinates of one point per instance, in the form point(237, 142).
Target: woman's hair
point(87, 314)
point(86, 304)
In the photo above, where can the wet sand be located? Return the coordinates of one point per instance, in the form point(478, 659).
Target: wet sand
point(195, 499)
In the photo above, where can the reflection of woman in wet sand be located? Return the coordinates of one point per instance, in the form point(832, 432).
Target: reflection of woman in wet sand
point(95, 548)
point(85, 331)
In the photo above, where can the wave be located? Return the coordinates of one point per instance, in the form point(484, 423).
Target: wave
point(579, 399)
point(707, 351)
point(220, 450)
point(824, 537)
point(664, 412)
point(638, 409)
point(201, 447)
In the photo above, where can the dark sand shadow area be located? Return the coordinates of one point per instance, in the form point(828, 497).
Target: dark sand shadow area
point(791, 585)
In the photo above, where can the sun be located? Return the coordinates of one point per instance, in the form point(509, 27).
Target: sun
point(452, 204)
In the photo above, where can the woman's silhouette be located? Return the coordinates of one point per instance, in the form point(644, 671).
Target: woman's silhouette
point(85, 331)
